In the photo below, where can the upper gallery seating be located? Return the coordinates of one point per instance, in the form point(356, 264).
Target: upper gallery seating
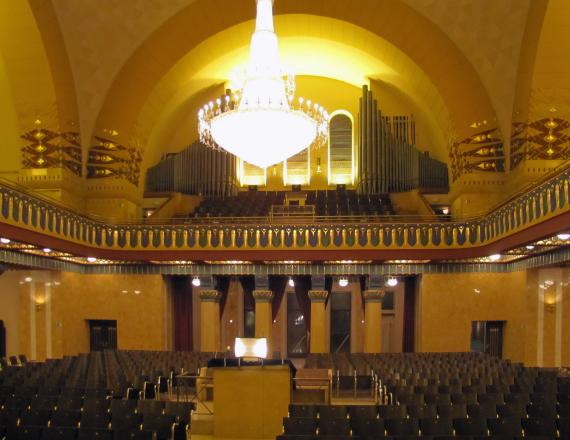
point(341, 202)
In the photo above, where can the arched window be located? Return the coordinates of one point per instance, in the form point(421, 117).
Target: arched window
point(340, 149)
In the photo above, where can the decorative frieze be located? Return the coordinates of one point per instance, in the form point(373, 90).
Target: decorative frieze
point(210, 296)
point(262, 295)
point(318, 295)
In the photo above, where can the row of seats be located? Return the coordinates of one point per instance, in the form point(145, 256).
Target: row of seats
point(326, 203)
point(297, 428)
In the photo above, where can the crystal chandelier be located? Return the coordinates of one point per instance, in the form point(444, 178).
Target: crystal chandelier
point(262, 123)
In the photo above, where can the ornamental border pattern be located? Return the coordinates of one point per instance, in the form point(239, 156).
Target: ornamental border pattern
point(541, 203)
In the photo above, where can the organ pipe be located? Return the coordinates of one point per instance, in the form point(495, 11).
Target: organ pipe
point(388, 159)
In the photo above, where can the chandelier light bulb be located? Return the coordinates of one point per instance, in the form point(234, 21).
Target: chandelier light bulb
point(260, 126)
point(495, 257)
point(291, 282)
point(392, 282)
point(46, 250)
point(564, 236)
point(196, 282)
point(343, 282)
point(91, 259)
point(530, 247)
point(4, 240)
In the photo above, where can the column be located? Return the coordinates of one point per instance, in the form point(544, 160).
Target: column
point(263, 319)
point(210, 320)
point(373, 321)
point(317, 341)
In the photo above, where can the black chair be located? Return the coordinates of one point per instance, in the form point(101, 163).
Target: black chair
point(69, 403)
point(126, 421)
point(95, 405)
point(95, 421)
point(133, 434)
point(541, 410)
point(484, 410)
point(330, 412)
point(402, 427)
point(366, 412)
point(422, 411)
point(39, 417)
point(43, 402)
point(180, 410)
point(471, 426)
point(457, 411)
point(94, 434)
point(334, 427)
point(161, 424)
point(392, 411)
point(299, 426)
point(16, 402)
point(150, 406)
point(23, 433)
point(65, 418)
point(302, 411)
point(564, 427)
point(505, 427)
point(507, 410)
point(371, 428)
point(539, 427)
point(59, 433)
point(120, 406)
point(437, 427)
point(9, 417)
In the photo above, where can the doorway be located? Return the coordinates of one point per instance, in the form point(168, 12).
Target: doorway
point(487, 337)
point(102, 335)
point(340, 322)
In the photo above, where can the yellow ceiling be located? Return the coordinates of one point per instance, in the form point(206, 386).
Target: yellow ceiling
point(132, 65)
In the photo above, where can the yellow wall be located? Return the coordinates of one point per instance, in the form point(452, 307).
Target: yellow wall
point(54, 308)
point(534, 305)
point(449, 303)
point(8, 127)
point(9, 306)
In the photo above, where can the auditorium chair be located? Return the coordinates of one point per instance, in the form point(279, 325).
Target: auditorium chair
point(94, 420)
point(126, 421)
point(65, 418)
point(392, 411)
point(368, 428)
point(505, 427)
point(23, 433)
point(303, 411)
point(162, 424)
point(402, 427)
point(94, 434)
point(442, 426)
point(472, 426)
point(299, 426)
point(334, 427)
point(59, 433)
point(539, 427)
point(133, 434)
point(32, 417)
point(422, 411)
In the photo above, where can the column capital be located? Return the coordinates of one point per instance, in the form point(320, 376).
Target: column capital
point(376, 295)
point(318, 295)
point(262, 295)
point(210, 295)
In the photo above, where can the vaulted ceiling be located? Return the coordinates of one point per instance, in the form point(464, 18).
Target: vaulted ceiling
point(132, 65)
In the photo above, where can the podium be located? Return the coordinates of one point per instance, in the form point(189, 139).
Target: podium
point(251, 401)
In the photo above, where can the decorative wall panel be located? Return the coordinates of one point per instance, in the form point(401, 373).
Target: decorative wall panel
point(111, 159)
point(483, 151)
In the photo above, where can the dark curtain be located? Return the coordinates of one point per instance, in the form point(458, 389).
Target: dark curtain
point(181, 288)
point(409, 314)
point(362, 290)
point(223, 285)
point(277, 284)
point(328, 288)
point(302, 287)
point(248, 286)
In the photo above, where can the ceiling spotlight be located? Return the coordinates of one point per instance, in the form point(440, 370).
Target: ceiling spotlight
point(137, 292)
point(124, 291)
point(291, 282)
point(445, 211)
point(91, 259)
point(46, 250)
point(392, 282)
point(530, 247)
point(564, 236)
point(28, 279)
point(495, 257)
point(4, 240)
point(343, 282)
point(196, 282)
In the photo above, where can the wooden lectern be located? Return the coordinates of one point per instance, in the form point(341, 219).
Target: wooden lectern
point(251, 401)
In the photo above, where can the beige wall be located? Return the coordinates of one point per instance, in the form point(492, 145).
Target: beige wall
point(9, 306)
point(53, 310)
point(534, 305)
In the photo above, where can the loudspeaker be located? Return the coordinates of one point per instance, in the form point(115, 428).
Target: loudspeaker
point(2, 340)
point(252, 187)
point(295, 188)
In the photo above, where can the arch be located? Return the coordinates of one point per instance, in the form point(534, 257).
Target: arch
point(414, 36)
point(341, 148)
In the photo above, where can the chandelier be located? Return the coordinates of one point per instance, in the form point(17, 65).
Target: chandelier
point(262, 123)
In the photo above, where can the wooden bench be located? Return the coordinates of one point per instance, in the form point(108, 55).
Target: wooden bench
point(315, 379)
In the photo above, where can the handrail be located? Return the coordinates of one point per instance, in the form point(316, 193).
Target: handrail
point(267, 220)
